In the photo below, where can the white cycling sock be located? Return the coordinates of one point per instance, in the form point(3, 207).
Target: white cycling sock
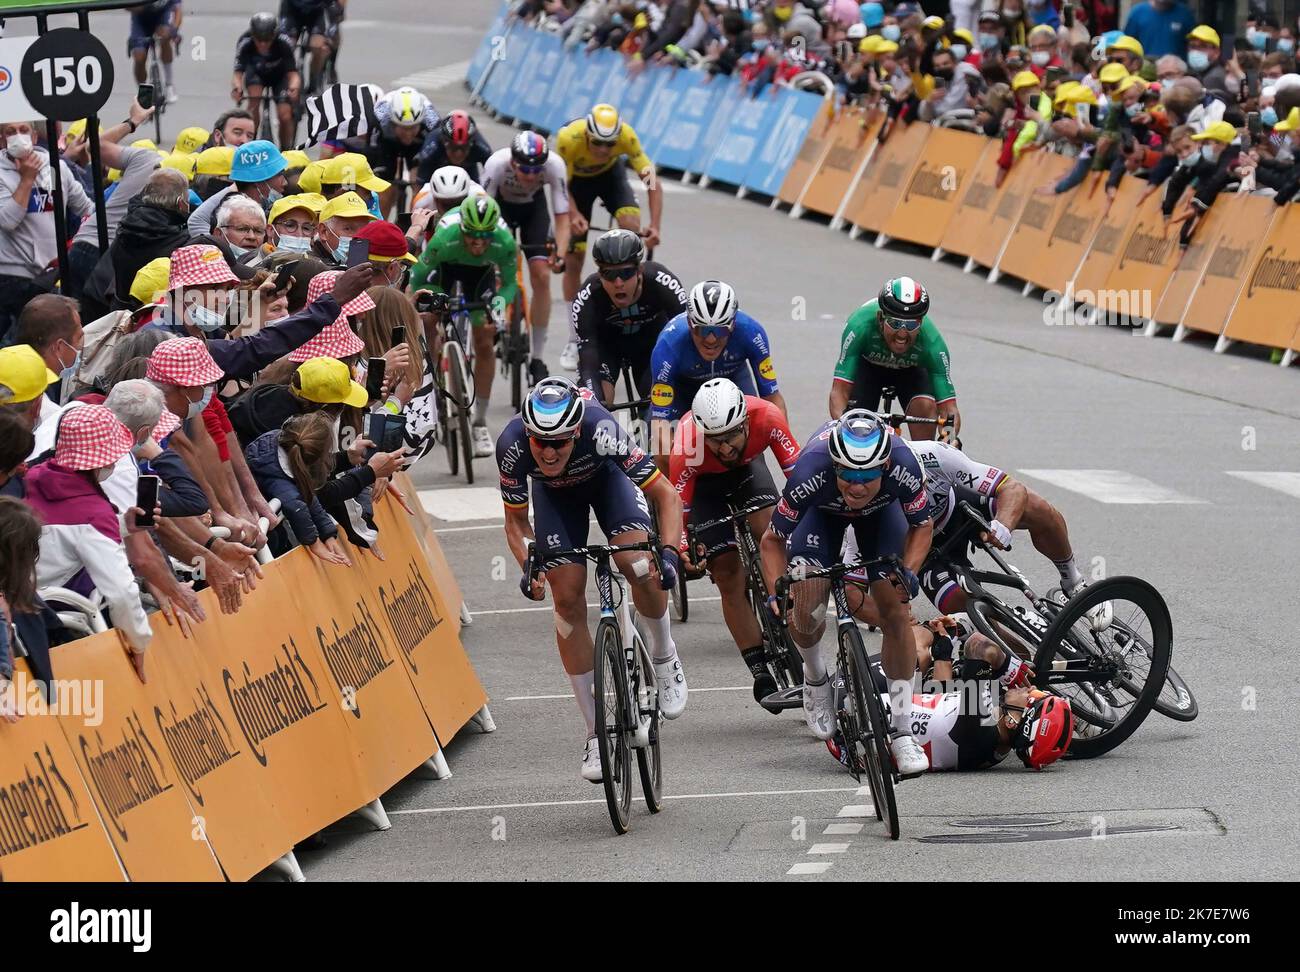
point(900, 705)
point(814, 669)
point(537, 340)
point(582, 692)
point(662, 646)
point(167, 72)
point(1070, 576)
point(480, 411)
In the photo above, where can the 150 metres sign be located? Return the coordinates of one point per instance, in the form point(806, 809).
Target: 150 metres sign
point(67, 74)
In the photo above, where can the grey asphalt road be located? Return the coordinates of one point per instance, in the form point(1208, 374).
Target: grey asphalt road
point(754, 797)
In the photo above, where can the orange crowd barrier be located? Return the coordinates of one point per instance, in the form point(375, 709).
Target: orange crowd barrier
point(1267, 309)
point(818, 141)
point(329, 686)
point(1028, 239)
point(886, 177)
point(1230, 258)
point(852, 137)
point(930, 196)
point(976, 205)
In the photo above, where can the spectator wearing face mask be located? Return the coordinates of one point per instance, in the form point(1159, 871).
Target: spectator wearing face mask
point(291, 225)
point(1043, 50)
point(257, 171)
point(51, 325)
point(23, 380)
point(241, 224)
point(28, 247)
point(340, 219)
point(1213, 167)
point(991, 39)
point(1204, 60)
point(955, 85)
point(81, 531)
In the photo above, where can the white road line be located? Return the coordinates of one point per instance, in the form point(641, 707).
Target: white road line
point(486, 526)
point(810, 867)
point(464, 503)
point(545, 698)
point(1110, 486)
point(857, 810)
point(842, 829)
point(574, 803)
point(1283, 482)
point(828, 848)
point(435, 78)
point(713, 597)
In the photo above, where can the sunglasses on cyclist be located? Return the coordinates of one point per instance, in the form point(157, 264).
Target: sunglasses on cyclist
point(556, 444)
point(713, 330)
point(618, 273)
point(529, 169)
point(858, 476)
point(731, 435)
point(602, 142)
point(469, 234)
point(898, 324)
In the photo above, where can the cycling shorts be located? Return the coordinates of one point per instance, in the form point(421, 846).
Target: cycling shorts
point(938, 579)
point(533, 222)
point(477, 283)
point(561, 514)
point(383, 158)
point(750, 485)
point(908, 383)
point(279, 86)
point(611, 188)
point(295, 22)
point(819, 536)
point(145, 25)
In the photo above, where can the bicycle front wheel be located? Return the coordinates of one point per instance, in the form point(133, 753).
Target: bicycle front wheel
point(873, 727)
point(649, 759)
point(612, 722)
point(456, 385)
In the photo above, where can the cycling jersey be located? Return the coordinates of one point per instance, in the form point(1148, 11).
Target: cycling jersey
point(679, 369)
point(571, 146)
point(863, 341)
point(947, 468)
point(692, 459)
point(434, 156)
point(424, 199)
point(264, 69)
point(811, 486)
point(501, 180)
point(447, 249)
point(145, 21)
point(609, 336)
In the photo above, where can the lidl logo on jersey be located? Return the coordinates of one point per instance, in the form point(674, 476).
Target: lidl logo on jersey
point(661, 395)
point(766, 369)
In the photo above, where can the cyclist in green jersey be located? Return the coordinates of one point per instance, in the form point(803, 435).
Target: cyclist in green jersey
point(478, 250)
point(891, 342)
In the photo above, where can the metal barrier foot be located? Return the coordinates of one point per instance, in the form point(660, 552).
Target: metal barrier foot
point(373, 813)
point(288, 866)
point(483, 719)
point(937, 255)
point(465, 617)
point(881, 240)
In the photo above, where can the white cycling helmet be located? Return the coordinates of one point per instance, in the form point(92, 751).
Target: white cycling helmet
point(719, 406)
point(860, 440)
point(449, 182)
point(553, 409)
point(406, 107)
point(712, 303)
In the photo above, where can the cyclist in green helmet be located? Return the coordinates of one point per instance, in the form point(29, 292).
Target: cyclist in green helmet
point(473, 246)
point(891, 342)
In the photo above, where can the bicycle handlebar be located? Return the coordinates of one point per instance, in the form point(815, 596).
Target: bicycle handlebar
point(833, 573)
point(593, 552)
point(633, 404)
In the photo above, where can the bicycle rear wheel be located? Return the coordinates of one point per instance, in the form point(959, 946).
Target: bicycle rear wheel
point(515, 354)
point(456, 385)
point(873, 729)
point(1175, 700)
point(448, 414)
point(681, 601)
point(649, 759)
point(612, 722)
point(159, 94)
point(1125, 663)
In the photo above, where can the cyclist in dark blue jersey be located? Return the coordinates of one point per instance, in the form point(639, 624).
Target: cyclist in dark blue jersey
point(712, 339)
point(572, 456)
point(854, 472)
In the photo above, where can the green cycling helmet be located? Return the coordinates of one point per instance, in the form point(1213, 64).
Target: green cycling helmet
point(479, 215)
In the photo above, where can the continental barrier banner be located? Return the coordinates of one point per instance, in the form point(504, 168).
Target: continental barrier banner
point(886, 177)
point(1191, 264)
point(1073, 227)
point(1231, 256)
point(1104, 251)
point(851, 138)
point(1005, 212)
point(1147, 259)
point(1268, 307)
point(933, 187)
point(809, 159)
point(976, 206)
point(1028, 239)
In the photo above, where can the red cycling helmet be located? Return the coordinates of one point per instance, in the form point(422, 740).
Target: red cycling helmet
point(1045, 730)
point(458, 128)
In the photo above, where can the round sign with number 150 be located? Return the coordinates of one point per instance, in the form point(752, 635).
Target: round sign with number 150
point(67, 74)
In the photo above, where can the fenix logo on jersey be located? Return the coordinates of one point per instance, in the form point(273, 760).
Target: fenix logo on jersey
point(511, 457)
point(808, 487)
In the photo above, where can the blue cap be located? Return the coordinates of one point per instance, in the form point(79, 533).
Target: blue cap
point(873, 14)
point(256, 162)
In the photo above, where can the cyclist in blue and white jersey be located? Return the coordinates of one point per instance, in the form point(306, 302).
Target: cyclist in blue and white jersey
point(571, 455)
point(853, 472)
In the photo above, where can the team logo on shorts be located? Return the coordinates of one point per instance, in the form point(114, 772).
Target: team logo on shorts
point(661, 395)
point(766, 369)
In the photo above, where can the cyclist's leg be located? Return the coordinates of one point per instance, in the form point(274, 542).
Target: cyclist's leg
point(868, 383)
point(619, 199)
point(284, 113)
point(1049, 534)
point(879, 535)
point(137, 46)
point(814, 543)
point(166, 37)
point(319, 43)
point(582, 196)
point(915, 388)
point(478, 282)
point(253, 93)
point(534, 233)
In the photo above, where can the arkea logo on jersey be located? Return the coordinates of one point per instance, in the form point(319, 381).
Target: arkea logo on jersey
point(766, 369)
point(661, 395)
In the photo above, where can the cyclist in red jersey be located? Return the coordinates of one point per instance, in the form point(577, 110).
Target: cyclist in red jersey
point(717, 460)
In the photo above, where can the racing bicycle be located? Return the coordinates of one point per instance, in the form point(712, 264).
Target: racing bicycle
point(783, 658)
point(627, 695)
point(453, 371)
point(862, 718)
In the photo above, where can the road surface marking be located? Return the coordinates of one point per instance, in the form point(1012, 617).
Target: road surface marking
point(842, 829)
point(828, 848)
point(857, 810)
point(590, 607)
point(810, 867)
point(434, 78)
point(1110, 486)
point(1283, 482)
point(464, 503)
point(542, 698)
point(574, 803)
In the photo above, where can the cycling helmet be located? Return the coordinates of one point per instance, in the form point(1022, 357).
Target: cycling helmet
point(458, 128)
point(479, 214)
point(264, 26)
point(406, 107)
point(712, 303)
point(603, 123)
point(904, 299)
point(529, 148)
point(719, 406)
point(553, 409)
point(449, 182)
point(1045, 730)
point(616, 247)
point(860, 440)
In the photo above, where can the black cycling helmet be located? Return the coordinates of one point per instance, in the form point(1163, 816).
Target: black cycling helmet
point(903, 299)
point(616, 247)
point(264, 26)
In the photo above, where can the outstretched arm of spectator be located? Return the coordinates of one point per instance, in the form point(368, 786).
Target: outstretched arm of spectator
point(106, 562)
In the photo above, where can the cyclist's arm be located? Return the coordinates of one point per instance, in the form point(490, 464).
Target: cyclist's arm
point(507, 264)
point(1013, 497)
point(668, 507)
point(916, 509)
point(518, 532)
point(662, 408)
point(435, 255)
point(759, 351)
point(939, 364)
point(782, 443)
point(853, 341)
point(510, 453)
point(586, 326)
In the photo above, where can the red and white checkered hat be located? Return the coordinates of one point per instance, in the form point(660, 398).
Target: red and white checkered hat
point(90, 437)
point(336, 340)
point(201, 265)
point(184, 362)
point(168, 423)
point(323, 283)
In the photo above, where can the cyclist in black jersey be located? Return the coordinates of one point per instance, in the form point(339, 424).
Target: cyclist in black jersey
point(620, 310)
point(456, 141)
point(264, 59)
